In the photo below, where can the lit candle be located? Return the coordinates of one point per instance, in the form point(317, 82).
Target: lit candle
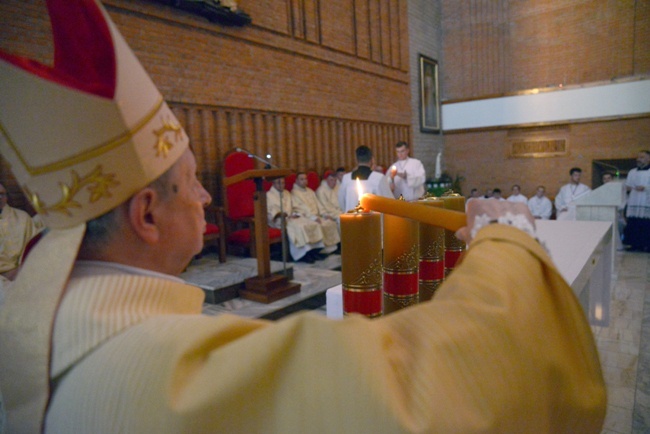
point(432, 253)
point(446, 218)
point(438, 171)
point(361, 262)
point(401, 257)
point(453, 246)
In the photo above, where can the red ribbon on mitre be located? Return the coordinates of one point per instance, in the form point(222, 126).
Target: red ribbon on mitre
point(84, 54)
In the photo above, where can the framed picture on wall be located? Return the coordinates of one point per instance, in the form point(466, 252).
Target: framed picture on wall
point(429, 95)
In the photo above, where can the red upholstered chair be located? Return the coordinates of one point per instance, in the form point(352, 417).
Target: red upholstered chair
point(313, 180)
point(289, 181)
point(214, 231)
point(239, 206)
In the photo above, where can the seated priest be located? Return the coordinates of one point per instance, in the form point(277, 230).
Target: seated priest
point(16, 229)
point(99, 335)
point(328, 196)
point(305, 236)
point(306, 204)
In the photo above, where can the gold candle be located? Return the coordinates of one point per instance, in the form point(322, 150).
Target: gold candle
point(446, 218)
point(400, 262)
point(432, 254)
point(453, 246)
point(361, 263)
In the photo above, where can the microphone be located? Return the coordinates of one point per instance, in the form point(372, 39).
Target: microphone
point(611, 166)
point(267, 163)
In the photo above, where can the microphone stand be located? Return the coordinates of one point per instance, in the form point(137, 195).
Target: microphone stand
point(268, 165)
point(283, 223)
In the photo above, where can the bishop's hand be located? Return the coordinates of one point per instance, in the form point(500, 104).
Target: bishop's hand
point(483, 212)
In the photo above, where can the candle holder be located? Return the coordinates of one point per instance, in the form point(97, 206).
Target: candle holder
point(361, 262)
point(432, 253)
point(454, 247)
point(401, 257)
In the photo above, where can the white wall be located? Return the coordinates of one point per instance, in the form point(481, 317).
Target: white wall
point(613, 100)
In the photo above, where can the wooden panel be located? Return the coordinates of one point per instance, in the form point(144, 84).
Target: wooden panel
point(297, 142)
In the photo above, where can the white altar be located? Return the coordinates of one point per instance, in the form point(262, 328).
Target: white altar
point(581, 250)
point(605, 203)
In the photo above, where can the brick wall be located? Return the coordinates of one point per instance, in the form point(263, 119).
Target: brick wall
point(496, 47)
point(425, 37)
point(308, 82)
point(483, 157)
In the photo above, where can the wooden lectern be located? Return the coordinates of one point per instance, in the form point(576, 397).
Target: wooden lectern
point(265, 287)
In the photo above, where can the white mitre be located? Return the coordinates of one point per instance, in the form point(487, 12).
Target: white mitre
point(81, 137)
point(85, 135)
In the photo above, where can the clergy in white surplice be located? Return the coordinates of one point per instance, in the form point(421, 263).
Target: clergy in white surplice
point(565, 200)
point(303, 234)
point(306, 204)
point(16, 229)
point(328, 196)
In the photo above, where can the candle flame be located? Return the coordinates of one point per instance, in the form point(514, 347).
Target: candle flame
point(359, 188)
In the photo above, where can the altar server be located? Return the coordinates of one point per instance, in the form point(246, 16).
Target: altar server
point(16, 229)
point(565, 201)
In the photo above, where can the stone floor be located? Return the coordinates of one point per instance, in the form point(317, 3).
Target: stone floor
point(624, 347)
point(221, 282)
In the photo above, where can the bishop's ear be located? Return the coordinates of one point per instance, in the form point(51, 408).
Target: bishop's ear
point(142, 215)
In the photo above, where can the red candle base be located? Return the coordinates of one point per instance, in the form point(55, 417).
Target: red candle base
point(400, 289)
point(451, 257)
point(365, 301)
point(432, 274)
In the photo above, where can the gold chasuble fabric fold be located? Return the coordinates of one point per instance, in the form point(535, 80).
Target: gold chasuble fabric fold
point(500, 350)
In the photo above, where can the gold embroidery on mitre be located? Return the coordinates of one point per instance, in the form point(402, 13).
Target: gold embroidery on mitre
point(97, 184)
point(163, 144)
point(86, 154)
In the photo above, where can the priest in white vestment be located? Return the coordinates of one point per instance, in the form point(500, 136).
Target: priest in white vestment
point(540, 206)
point(16, 229)
point(327, 194)
point(303, 234)
point(306, 204)
point(516, 195)
point(364, 177)
point(565, 201)
point(407, 174)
